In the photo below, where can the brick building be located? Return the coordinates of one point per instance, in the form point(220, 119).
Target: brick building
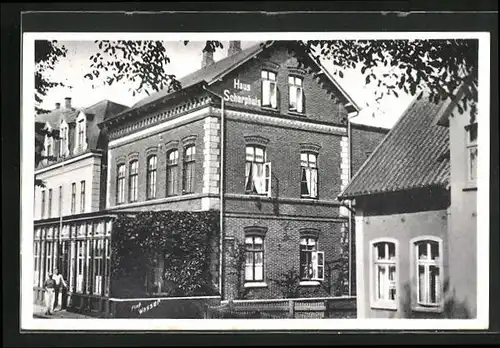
point(267, 124)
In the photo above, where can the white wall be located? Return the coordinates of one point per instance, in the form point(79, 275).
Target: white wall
point(86, 167)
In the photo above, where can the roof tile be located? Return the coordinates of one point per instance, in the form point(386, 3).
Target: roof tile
point(412, 155)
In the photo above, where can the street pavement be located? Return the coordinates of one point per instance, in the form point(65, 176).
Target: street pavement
point(39, 312)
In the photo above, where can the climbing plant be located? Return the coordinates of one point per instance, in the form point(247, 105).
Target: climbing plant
point(183, 239)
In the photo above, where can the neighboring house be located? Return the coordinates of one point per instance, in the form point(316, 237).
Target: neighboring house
point(73, 178)
point(415, 252)
point(285, 159)
point(462, 217)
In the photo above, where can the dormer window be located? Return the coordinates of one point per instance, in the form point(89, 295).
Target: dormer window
point(80, 133)
point(80, 143)
point(63, 142)
point(49, 145)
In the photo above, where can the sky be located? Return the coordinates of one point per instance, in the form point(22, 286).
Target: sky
point(185, 59)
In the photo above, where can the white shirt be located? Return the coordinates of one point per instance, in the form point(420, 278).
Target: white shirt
point(59, 279)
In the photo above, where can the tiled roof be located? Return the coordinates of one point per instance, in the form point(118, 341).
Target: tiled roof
point(215, 71)
point(207, 74)
point(413, 154)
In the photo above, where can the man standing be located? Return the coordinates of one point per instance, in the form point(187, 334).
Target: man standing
point(60, 284)
point(49, 286)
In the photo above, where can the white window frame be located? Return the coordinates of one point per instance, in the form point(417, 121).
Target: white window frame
point(375, 302)
point(172, 172)
point(259, 185)
point(317, 262)
point(48, 144)
point(121, 183)
point(133, 181)
point(253, 265)
point(417, 304)
point(151, 174)
point(63, 142)
point(269, 87)
point(311, 173)
point(296, 93)
point(471, 147)
point(81, 128)
point(82, 196)
point(188, 169)
point(80, 265)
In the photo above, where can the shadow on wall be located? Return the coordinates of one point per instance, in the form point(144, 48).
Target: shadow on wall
point(452, 308)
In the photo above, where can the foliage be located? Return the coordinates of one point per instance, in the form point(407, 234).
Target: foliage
point(412, 66)
point(452, 308)
point(47, 54)
point(183, 238)
point(289, 284)
point(236, 268)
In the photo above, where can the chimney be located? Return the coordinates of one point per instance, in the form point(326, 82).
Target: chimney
point(67, 103)
point(234, 47)
point(208, 59)
point(58, 105)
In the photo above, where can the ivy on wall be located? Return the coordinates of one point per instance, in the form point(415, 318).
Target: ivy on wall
point(185, 240)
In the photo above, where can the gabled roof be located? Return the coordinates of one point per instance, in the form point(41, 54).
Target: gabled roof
point(212, 73)
point(414, 154)
point(101, 111)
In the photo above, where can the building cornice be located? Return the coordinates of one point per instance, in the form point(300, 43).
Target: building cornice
point(66, 162)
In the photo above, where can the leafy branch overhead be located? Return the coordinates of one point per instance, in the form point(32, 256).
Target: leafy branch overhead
point(412, 66)
point(393, 66)
point(141, 63)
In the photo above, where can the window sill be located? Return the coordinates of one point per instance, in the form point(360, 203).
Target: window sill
point(470, 188)
point(427, 309)
point(384, 305)
point(256, 285)
point(269, 108)
point(309, 198)
point(296, 113)
point(309, 283)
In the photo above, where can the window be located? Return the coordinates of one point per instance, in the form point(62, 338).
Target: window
point(36, 262)
point(312, 261)
point(63, 143)
point(132, 180)
point(295, 91)
point(188, 169)
point(50, 203)
point(472, 154)
point(81, 134)
point(82, 196)
point(428, 272)
point(60, 199)
point(151, 177)
point(107, 267)
point(257, 171)
point(80, 251)
point(309, 175)
point(172, 163)
point(269, 89)
point(43, 204)
point(120, 184)
point(73, 198)
point(49, 254)
point(98, 266)
point(254, 259)
point(384, 274)
point(49, 148)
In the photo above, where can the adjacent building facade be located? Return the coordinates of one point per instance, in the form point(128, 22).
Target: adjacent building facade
point(73, 172)
point(415, 242)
